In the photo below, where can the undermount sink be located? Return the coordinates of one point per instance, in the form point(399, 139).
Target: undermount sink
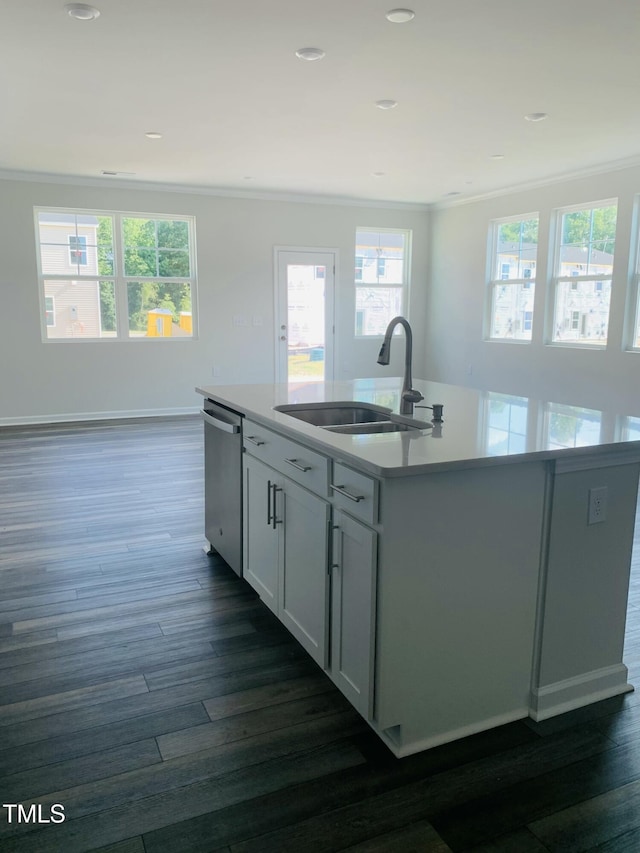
point(338, 413)
point(370, 428)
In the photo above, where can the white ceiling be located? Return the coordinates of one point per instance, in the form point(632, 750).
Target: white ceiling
point(239, 111)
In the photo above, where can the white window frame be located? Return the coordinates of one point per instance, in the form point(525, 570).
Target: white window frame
point(403, 286)
point(574, 278)
point(498, 278)
point(118, 278)
point(632, 324)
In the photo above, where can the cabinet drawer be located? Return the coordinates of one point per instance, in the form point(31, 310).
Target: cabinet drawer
point(299, 463)
point(355, 493)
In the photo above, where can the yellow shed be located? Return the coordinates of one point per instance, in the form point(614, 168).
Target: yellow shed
point(159, 323)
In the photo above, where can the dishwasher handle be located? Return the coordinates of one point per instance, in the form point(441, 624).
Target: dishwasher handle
point(225, 426)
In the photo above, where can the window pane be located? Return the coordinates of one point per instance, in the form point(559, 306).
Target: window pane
point(380, 257)
point(512, 311)
point(375, 307)
point(173, 235)
point(83, 309)
point(173, 264)
point(138, 233)
point(159, 310)
point(517, 248)
point(68, 243)
point(156, 247)
point(582, 311)
point(588, 241)
point(108, 309)
point(140, 262)
point(105, 245)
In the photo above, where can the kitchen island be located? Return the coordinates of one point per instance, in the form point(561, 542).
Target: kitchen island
point(450, 578)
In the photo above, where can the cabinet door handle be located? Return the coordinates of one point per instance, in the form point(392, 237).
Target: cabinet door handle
point(342, 491)
point(336, 544)
point(275, 521)
point(268, 502)
point(295, 464)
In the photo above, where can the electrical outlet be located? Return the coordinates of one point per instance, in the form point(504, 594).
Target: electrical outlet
point(597, 505)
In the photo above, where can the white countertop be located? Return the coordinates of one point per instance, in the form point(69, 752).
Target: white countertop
point(479, 427)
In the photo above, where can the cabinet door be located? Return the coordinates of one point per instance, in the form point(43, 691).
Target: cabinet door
point(353, 602)
point(260, 537)
point(304, 578)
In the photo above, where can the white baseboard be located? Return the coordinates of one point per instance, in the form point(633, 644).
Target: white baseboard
point(576, 692)
point(73, 417)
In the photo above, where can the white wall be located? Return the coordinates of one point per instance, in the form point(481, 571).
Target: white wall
point(456, 349)
point(235, 239)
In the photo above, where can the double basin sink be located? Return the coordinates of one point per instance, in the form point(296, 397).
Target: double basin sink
point(353, 418)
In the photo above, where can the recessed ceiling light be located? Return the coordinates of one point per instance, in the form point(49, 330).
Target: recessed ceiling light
point(310, 53)
point(153, 134)
point(536, 117)
point(82, 12)
point(497, 156)
point(386, 104)
point(400, 16)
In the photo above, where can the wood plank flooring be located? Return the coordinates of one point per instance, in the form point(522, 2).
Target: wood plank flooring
point(146, 689)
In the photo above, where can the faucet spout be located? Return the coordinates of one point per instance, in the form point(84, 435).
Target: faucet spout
point(409, 395)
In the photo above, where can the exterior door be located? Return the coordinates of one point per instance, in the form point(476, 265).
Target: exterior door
point(304, 314)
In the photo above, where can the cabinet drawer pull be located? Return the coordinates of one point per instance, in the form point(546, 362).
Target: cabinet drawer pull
point(254, 440)
point(342, 491)
point(295, 464)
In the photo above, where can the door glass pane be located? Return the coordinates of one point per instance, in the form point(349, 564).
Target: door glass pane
point(306, 322)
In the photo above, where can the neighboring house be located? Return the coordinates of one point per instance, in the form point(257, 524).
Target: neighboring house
point(72, 306)
point(583, 305)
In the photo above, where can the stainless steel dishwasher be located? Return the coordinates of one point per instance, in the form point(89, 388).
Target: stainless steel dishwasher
point(223, 482)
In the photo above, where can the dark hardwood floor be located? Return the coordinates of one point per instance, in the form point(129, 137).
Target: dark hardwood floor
point(145, 688)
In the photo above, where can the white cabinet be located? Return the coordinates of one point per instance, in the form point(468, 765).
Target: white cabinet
point(353, 602)
point(286, 534)
point(260, 535)
point(327, 604)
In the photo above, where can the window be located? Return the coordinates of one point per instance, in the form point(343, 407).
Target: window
point(583, 268)
point(512, 263)
point(49, 311)
point(381, 278)
point(115, 276)
point(78, 249)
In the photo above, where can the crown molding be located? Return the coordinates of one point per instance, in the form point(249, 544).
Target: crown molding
point(252, 195)
point(587, 172)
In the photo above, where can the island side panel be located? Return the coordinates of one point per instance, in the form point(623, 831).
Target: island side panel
point(459, 567)
point(586, 589)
